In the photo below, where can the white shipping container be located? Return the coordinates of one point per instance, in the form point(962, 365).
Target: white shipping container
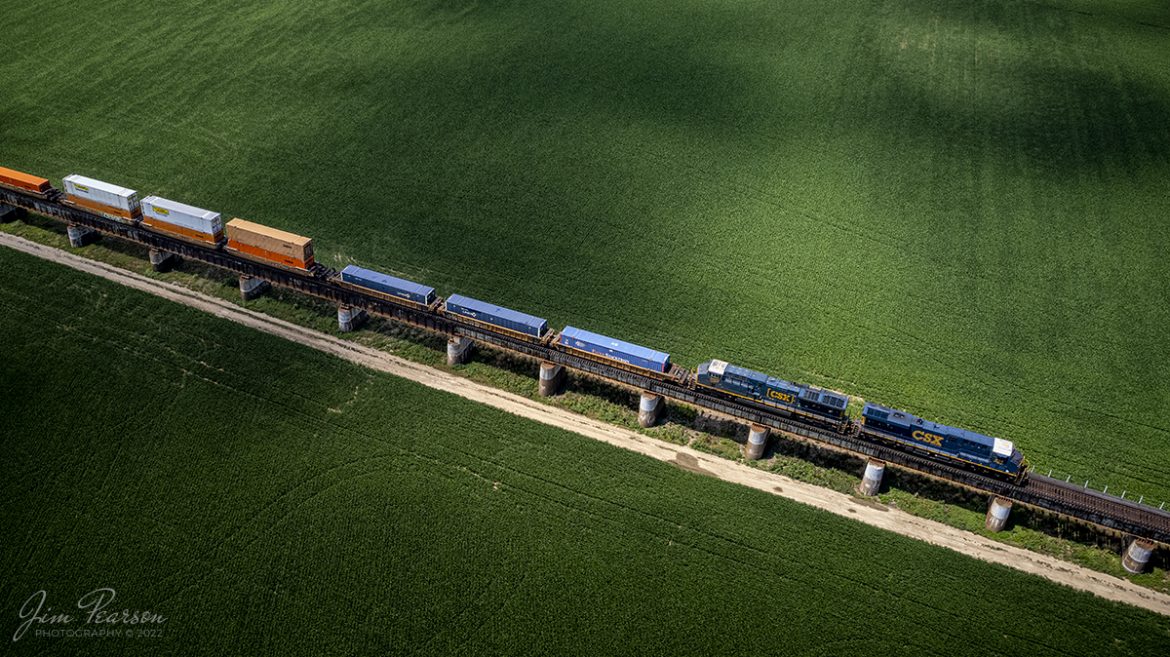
point(114, 196)
point(181, 214)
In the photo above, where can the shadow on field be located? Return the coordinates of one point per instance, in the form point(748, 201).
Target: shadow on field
point(473, 137)
point(1019, 83)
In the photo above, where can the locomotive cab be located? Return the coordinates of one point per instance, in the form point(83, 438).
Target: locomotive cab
point(711, 372)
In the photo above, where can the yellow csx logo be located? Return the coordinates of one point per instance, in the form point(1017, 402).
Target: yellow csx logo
point(163, 211)
point(928, 438)
point(781, 396)
point(81, 188)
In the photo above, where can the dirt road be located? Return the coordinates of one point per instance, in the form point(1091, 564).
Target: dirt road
point(935, 533)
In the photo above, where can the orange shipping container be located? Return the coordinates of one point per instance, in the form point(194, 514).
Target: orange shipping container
point(183, 231)
point(14, 178)
point(102, 208)
point(270, 244)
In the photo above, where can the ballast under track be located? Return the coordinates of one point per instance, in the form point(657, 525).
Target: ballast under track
point(1059, 497)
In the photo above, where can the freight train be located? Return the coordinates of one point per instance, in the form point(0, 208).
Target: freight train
point(880, 424)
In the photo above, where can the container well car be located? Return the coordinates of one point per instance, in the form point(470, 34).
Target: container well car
point(107, 199)
point(489, 314)
point(605, 348)
point(398, 290)
point(270, 245)
point(181, 220)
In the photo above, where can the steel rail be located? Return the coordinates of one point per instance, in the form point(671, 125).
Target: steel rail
point(1040, 492)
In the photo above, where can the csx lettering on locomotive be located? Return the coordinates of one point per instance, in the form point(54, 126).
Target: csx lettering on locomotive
point(782, 396)
point(928, 438)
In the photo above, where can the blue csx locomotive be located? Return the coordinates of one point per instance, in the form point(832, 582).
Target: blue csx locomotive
point(974, 450)
point(879, 423)
point(741, 382)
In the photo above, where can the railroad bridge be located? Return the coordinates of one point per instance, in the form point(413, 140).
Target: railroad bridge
point(1147, 526)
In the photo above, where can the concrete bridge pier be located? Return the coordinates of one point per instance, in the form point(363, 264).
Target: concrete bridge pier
point(250, 287)
point(998, 511)
point(649, 409)
point(1137, 556)
point(552, 377)
point(458, 350)
point(80, 236)
point(350, 318)
point(757, 442)
point(9, 214)
point(162, 261)
point(871, 481)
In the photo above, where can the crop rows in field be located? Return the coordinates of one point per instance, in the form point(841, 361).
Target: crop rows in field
point(268, 499)
point(947, 206)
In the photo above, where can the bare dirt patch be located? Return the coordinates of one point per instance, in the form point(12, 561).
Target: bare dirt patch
point(867, 511)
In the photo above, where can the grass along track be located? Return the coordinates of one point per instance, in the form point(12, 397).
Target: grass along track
point(1070, 544)
point(270, 499)
point(965, 542)
point(943, 205)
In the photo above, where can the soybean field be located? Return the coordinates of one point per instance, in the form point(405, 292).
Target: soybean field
point(267, 499)
point(953, 207)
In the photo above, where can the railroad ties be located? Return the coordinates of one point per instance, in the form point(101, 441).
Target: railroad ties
point(1147, 526)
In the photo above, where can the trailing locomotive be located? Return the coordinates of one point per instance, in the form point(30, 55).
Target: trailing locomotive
point(736, 381)
point(970, 449)
point(879, 423)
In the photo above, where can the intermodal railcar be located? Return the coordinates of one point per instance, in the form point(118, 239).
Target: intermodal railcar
point(498, 318)
point(109, 200)
point(270, 245)
point(25, 182)
point(619, 353)
point(878, 423)
point(385, 286)
point(186, 222)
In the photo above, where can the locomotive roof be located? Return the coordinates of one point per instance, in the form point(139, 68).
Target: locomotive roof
point(811, 393)
point(826, 397)
point(998, 446)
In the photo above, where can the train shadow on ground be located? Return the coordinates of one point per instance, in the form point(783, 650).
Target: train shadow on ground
point(705, 431)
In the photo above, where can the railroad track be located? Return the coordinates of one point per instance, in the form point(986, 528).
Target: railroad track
point(1038, 491)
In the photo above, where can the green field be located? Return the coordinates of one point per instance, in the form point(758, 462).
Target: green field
point(268, 499)
point(954, 207)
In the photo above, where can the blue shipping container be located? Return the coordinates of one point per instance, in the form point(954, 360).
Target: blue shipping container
point(612, 349)
point(387, 284)
point(496, 315)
